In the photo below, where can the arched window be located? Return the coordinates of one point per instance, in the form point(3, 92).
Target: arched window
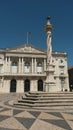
point(27, 85)
point(61, 61)
point(13, 85)
point(40, 85)
point(39, 67)
point(27, 67)
point(14, 67)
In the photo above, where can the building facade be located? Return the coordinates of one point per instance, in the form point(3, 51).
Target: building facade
point(27, 68)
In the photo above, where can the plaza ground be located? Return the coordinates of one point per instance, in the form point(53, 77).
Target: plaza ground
point(21, 118)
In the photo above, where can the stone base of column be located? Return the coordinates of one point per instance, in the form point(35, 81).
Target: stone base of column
point(50, 87)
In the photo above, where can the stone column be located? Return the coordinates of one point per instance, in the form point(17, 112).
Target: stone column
point(22, 86)
point(50, 82)
point(32, 65)
point(35, 65)
point(5, 65)
point(44, 64)
point(6, 59)
point(19, 65)
point(9, 62)
point(18, 86)
point(22, 65)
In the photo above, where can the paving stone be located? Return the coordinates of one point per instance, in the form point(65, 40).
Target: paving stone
point(60, 123)
point(7, 113)
point(27, 122)
point(35, 113)
point(12, 123)
point(67, 116)
point(17, 111)
point(42, 125)
point(1, 128)
point(57, 114)
point(25, 114)
point(69, 113)
point(45, 115)
point(3, 117)
point(70, 122)
point(14, 118)
point(5, 109)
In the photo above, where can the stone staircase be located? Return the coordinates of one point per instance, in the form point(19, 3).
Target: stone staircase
point(46, 101)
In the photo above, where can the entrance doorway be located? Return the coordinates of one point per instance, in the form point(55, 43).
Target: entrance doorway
point(27, 85)
point(40, 85)
point(13, 85)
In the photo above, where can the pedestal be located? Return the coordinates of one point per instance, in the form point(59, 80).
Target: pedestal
point(50, 85)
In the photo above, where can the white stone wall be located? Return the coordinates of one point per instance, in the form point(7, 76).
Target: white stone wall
point(6, 86)
point(33, 85)
point(6, 72)
point(60, 65)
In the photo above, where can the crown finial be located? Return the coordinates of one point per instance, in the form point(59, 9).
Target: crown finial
point(48, 20)
point(48, 26)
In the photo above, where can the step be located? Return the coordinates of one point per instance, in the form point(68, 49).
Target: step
point(39, 92)
point(49, 101)
point(46, 98)
point(51, 108)
point(46, 101)
point(49, 95)
point(44, 104)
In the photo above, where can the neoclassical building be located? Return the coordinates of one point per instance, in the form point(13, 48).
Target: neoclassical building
point(28, 68)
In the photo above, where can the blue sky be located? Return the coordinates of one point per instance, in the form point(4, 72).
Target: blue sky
point(17, 17)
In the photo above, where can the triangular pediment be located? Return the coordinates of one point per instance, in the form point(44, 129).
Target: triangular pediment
point(26, 49)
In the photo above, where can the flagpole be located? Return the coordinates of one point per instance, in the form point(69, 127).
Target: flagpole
point(28, 36)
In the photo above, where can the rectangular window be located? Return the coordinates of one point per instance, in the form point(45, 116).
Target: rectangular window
point(61, 69)
point(1, 68)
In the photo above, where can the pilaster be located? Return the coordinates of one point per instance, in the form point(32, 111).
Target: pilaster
point(35, 65)
point(19, 65)
point(9, 62)
point(22, 66)
point(20, 86)
point(5, 65)
point(44, 64)
point(32, 65)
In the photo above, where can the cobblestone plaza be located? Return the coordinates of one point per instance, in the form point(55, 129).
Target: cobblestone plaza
point(17, 118)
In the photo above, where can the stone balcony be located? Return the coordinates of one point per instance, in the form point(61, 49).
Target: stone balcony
point(23, 74)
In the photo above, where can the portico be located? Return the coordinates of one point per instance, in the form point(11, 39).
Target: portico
point(22, 65)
